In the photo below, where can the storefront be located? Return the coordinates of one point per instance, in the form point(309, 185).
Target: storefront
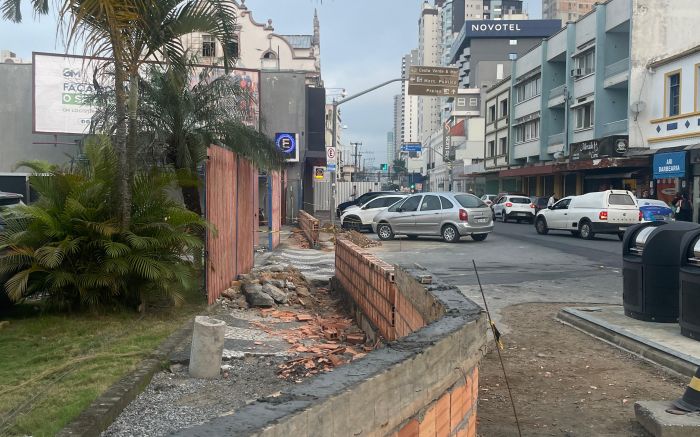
point(670, 176)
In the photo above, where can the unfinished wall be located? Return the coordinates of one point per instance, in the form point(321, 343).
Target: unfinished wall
point(423, 384)
point(310, 227)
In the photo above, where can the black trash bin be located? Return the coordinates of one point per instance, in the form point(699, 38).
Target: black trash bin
point(689, 278)
point(650, 270)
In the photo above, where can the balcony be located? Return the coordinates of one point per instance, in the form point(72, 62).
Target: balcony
point(617, 74)
point(556, 139)
point(614, 128)
point(556, 96)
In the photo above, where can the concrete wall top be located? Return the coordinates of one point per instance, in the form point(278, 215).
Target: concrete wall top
point(527, 107)
point(527, 149)
point(529, 61)
point(556, 45)
point(586, 29)
point(395, 379)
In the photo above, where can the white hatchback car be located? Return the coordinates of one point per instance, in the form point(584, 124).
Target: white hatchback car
point(359, 218)
point(514, 207)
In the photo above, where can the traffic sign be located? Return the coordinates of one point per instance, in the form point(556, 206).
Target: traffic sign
point(331, 155)
point(384, 167)
point(411, 147)
point(288, 144)
point(331, 167)
point(433, 81)
point(319, 173)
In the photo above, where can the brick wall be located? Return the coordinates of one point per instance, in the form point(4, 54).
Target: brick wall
point(423, 384)
point(310, 226)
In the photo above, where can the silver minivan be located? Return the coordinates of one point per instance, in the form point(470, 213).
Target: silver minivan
point(449, 215)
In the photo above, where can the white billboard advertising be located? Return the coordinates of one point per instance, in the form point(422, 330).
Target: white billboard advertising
point(63, 85)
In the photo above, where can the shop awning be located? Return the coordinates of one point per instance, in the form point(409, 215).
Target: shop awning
point(627, 175)
point(537, 170)
point(669, 165)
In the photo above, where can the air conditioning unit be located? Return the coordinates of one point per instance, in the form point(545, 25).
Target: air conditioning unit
point(577, 72)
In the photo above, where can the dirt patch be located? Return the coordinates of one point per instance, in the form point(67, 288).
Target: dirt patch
point(361, 240)
point(565, 383)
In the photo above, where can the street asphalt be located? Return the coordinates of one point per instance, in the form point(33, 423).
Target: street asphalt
point(516, 265)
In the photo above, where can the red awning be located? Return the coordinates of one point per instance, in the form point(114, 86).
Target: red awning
point(458, 130)
point(539, 170)
point(528, 171)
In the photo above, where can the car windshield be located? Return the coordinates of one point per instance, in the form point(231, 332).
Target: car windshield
point(520, 200)
point(621, 199)
point(469, 201)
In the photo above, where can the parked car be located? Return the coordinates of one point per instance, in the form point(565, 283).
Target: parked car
point(361, 217)
point(449, 215)
point(604, 212)
point(655, 210)
point(516, 208)
point(360, 200)
point(539, 202)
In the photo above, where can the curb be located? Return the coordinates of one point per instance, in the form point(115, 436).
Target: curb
point(108, 406)
point(656, 356)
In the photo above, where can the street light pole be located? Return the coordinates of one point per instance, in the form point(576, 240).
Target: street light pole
point(337, 103)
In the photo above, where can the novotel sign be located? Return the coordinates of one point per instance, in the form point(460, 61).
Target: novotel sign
point(490, 27)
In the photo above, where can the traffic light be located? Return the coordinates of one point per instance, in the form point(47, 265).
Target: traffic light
point(384, 167)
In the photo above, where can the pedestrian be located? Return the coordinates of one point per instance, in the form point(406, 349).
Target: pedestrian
point(683, 208)
point(645, 194)
point(552, 200)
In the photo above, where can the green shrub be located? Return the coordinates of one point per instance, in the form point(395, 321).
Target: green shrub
point(69, 248)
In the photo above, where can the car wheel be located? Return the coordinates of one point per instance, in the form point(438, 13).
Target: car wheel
point(541, 226)
point(479, 237)
point(384, 232)
point(621, 235)
point(412, 237)
point(504, 217)
point(586, 231)
point(450, 234)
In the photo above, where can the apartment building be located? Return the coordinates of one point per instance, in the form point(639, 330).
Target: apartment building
point(566, 10)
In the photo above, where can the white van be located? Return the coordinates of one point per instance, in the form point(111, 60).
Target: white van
point(604, 212)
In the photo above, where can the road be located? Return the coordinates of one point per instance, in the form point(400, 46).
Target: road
point(516, 265)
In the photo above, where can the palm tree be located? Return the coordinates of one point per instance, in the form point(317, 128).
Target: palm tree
point(131, 32)
point(182, 113)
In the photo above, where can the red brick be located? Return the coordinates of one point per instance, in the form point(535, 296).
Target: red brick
point(442, 416)
point(427, 426)
point(411, 429)
point(471, 429)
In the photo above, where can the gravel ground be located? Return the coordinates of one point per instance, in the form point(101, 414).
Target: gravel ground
point(174, 401)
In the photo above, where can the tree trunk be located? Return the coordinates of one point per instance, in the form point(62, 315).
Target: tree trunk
point(133, 126)
point(120, 147)
point(192, 199)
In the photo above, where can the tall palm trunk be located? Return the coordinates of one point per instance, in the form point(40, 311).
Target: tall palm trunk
point(120, 147)
point(133, 126)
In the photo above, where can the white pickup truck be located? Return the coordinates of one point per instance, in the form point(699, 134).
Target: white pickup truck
point(604, 212)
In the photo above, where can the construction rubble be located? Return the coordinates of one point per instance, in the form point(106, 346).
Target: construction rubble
point(320, 333)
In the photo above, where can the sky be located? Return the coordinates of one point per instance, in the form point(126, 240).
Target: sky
point(362, 42)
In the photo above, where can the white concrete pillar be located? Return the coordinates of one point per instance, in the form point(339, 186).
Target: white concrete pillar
point(207, 347)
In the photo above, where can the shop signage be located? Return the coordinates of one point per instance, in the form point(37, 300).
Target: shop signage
point(608, 147)
point(433, 81)
point(288, 144)
point(669, 165)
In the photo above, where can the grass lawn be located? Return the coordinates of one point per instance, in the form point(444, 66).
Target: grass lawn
point(53, 366)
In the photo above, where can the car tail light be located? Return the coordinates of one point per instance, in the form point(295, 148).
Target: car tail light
point(641, 216)
point(508, 204)
point(463, 216)
point(603, 215)
point(532, 205)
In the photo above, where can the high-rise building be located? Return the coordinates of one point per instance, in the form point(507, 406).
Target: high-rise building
point(429, 54)
point(398, 108)
point(390, 144)
point(566, 10)
point(497, 9)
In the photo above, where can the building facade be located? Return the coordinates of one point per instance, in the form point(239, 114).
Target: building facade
point(566, 10)
point(496, 138)
point(429, 54)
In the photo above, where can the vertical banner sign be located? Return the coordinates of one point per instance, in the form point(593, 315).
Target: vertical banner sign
point(288, 144)
point(446, 142)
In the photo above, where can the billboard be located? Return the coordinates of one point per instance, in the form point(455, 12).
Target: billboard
point(64, 84)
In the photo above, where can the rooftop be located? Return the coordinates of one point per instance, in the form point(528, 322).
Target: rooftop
point(299, 41)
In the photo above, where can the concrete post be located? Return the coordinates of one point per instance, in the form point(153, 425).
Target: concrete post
point(207, 347)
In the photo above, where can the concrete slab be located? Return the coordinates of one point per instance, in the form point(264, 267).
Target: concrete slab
point(660, 343)
point(652, 415)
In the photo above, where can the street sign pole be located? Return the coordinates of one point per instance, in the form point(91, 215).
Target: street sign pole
point(334, 141)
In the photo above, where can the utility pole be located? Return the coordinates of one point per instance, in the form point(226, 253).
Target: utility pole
point(356, 157)
point(337, 103)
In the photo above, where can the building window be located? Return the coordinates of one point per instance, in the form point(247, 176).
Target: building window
point(529, 89)
point(514, 42)
point(584, 116)
point(473, 101)
point(585, 63)
point(208, 46)
point(461, 102)
point(499, 71)
point(492, 149)
point(270, 55)
point(673, 93)
point(504, 108)
point(502, 146)
point(512, 56)
point(527, 131)
point(491, 113)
